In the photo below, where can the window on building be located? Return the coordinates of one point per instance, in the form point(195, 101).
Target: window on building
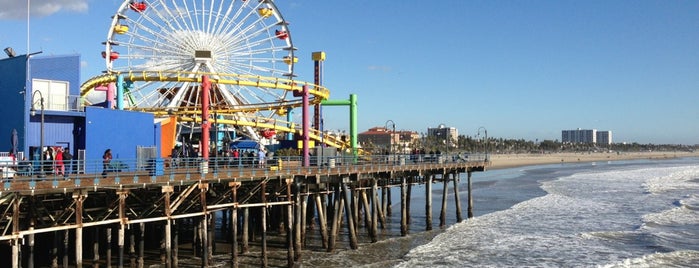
point(55, 94)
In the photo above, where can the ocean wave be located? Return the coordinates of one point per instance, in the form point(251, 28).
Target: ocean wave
point(679, 178)
point(683, 258)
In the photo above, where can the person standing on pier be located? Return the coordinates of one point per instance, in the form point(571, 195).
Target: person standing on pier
point(261, 158)
point(67, 159)
point(106, 160)
point(60, 165)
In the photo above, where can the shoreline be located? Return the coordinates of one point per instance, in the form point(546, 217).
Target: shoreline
point(502, 161)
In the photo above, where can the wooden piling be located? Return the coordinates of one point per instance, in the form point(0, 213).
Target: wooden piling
point(66, 238)
point(109, 247)
point(322, 220)
point(428, 202)
point(289, 225)
point(54, 250)
point(455, 177)
point(175, 249)
point(304, 218)
point(408, 195)
point(79, 198)
point(349, 214)
point(369, 226)
point(263, 223)
point(381, 216)
point(443, 213)
point(95, 247)
point(141, 245)
point(122, 223)
point(167, 190)
point(205, 261)
point(403, 208)
point(335, 223)
point(16, 258)
point(297, 221)
point(245, 237)
point(470, 197)
point(375, 208)
point(234, 224)
point(132, 245)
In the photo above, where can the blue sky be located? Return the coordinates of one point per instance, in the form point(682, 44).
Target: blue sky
point(521, 69)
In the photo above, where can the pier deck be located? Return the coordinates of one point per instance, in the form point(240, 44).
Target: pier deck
point(252, 199)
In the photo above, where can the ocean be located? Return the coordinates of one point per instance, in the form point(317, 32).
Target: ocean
point(641, 213)
point(617, 214)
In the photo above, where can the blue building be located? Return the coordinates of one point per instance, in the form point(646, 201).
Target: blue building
point(54, 81)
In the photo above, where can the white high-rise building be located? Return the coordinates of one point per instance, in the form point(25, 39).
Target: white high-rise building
point(586, 136)
point(604, 137)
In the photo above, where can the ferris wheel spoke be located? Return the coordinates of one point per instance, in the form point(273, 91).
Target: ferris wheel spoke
point(237, 24)
point(170, 42)
point(218, 22)
point(168, 18)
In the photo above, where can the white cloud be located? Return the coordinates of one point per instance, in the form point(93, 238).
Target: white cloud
point(14, 9)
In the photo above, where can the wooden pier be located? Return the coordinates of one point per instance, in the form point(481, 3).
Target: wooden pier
point(113, 219)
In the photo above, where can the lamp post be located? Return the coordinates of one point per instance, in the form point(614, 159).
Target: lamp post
point(32, 112)
point(390, 140)
point(486, 140)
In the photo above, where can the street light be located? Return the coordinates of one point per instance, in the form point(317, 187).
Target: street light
point(390, 141)
point(32, 112)
point(486, 140)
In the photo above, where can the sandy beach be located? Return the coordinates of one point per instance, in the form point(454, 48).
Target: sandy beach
point(499, 161)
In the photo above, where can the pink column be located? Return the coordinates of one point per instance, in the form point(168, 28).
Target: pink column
point(306, 128)
point(205, 86)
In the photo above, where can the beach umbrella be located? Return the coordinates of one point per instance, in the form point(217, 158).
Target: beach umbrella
point(14, 141)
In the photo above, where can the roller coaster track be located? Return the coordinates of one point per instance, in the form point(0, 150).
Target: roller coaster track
point(282, 126)
point(318, 93)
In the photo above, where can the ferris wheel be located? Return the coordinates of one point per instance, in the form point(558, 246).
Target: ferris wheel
point(189, 38)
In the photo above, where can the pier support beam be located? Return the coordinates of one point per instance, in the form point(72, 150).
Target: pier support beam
point(245, 237)
point(16, 258)
point(322, 218)
point(122, 223)
point(167, 190)
point(445, 192)
point(289, 225)
point(263, 193)
point(403, 208)
point(457, 201)
point(79, 196)
point(349, 214)
point(234, 224)
point(298, 223)
point(470, 197)
point(428, 202)
point(203, 187)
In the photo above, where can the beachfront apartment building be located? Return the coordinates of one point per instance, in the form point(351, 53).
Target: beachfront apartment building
point(586, 136)
point(604, 137)
point(443, 132)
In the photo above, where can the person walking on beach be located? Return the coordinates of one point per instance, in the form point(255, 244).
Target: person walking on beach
point(106, 160)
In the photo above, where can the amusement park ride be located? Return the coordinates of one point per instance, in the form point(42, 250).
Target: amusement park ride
point(157, 54)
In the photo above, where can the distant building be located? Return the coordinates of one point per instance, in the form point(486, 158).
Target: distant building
point(443, 132)
point(586, 136)
point(381, 137)
point(604, 137)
